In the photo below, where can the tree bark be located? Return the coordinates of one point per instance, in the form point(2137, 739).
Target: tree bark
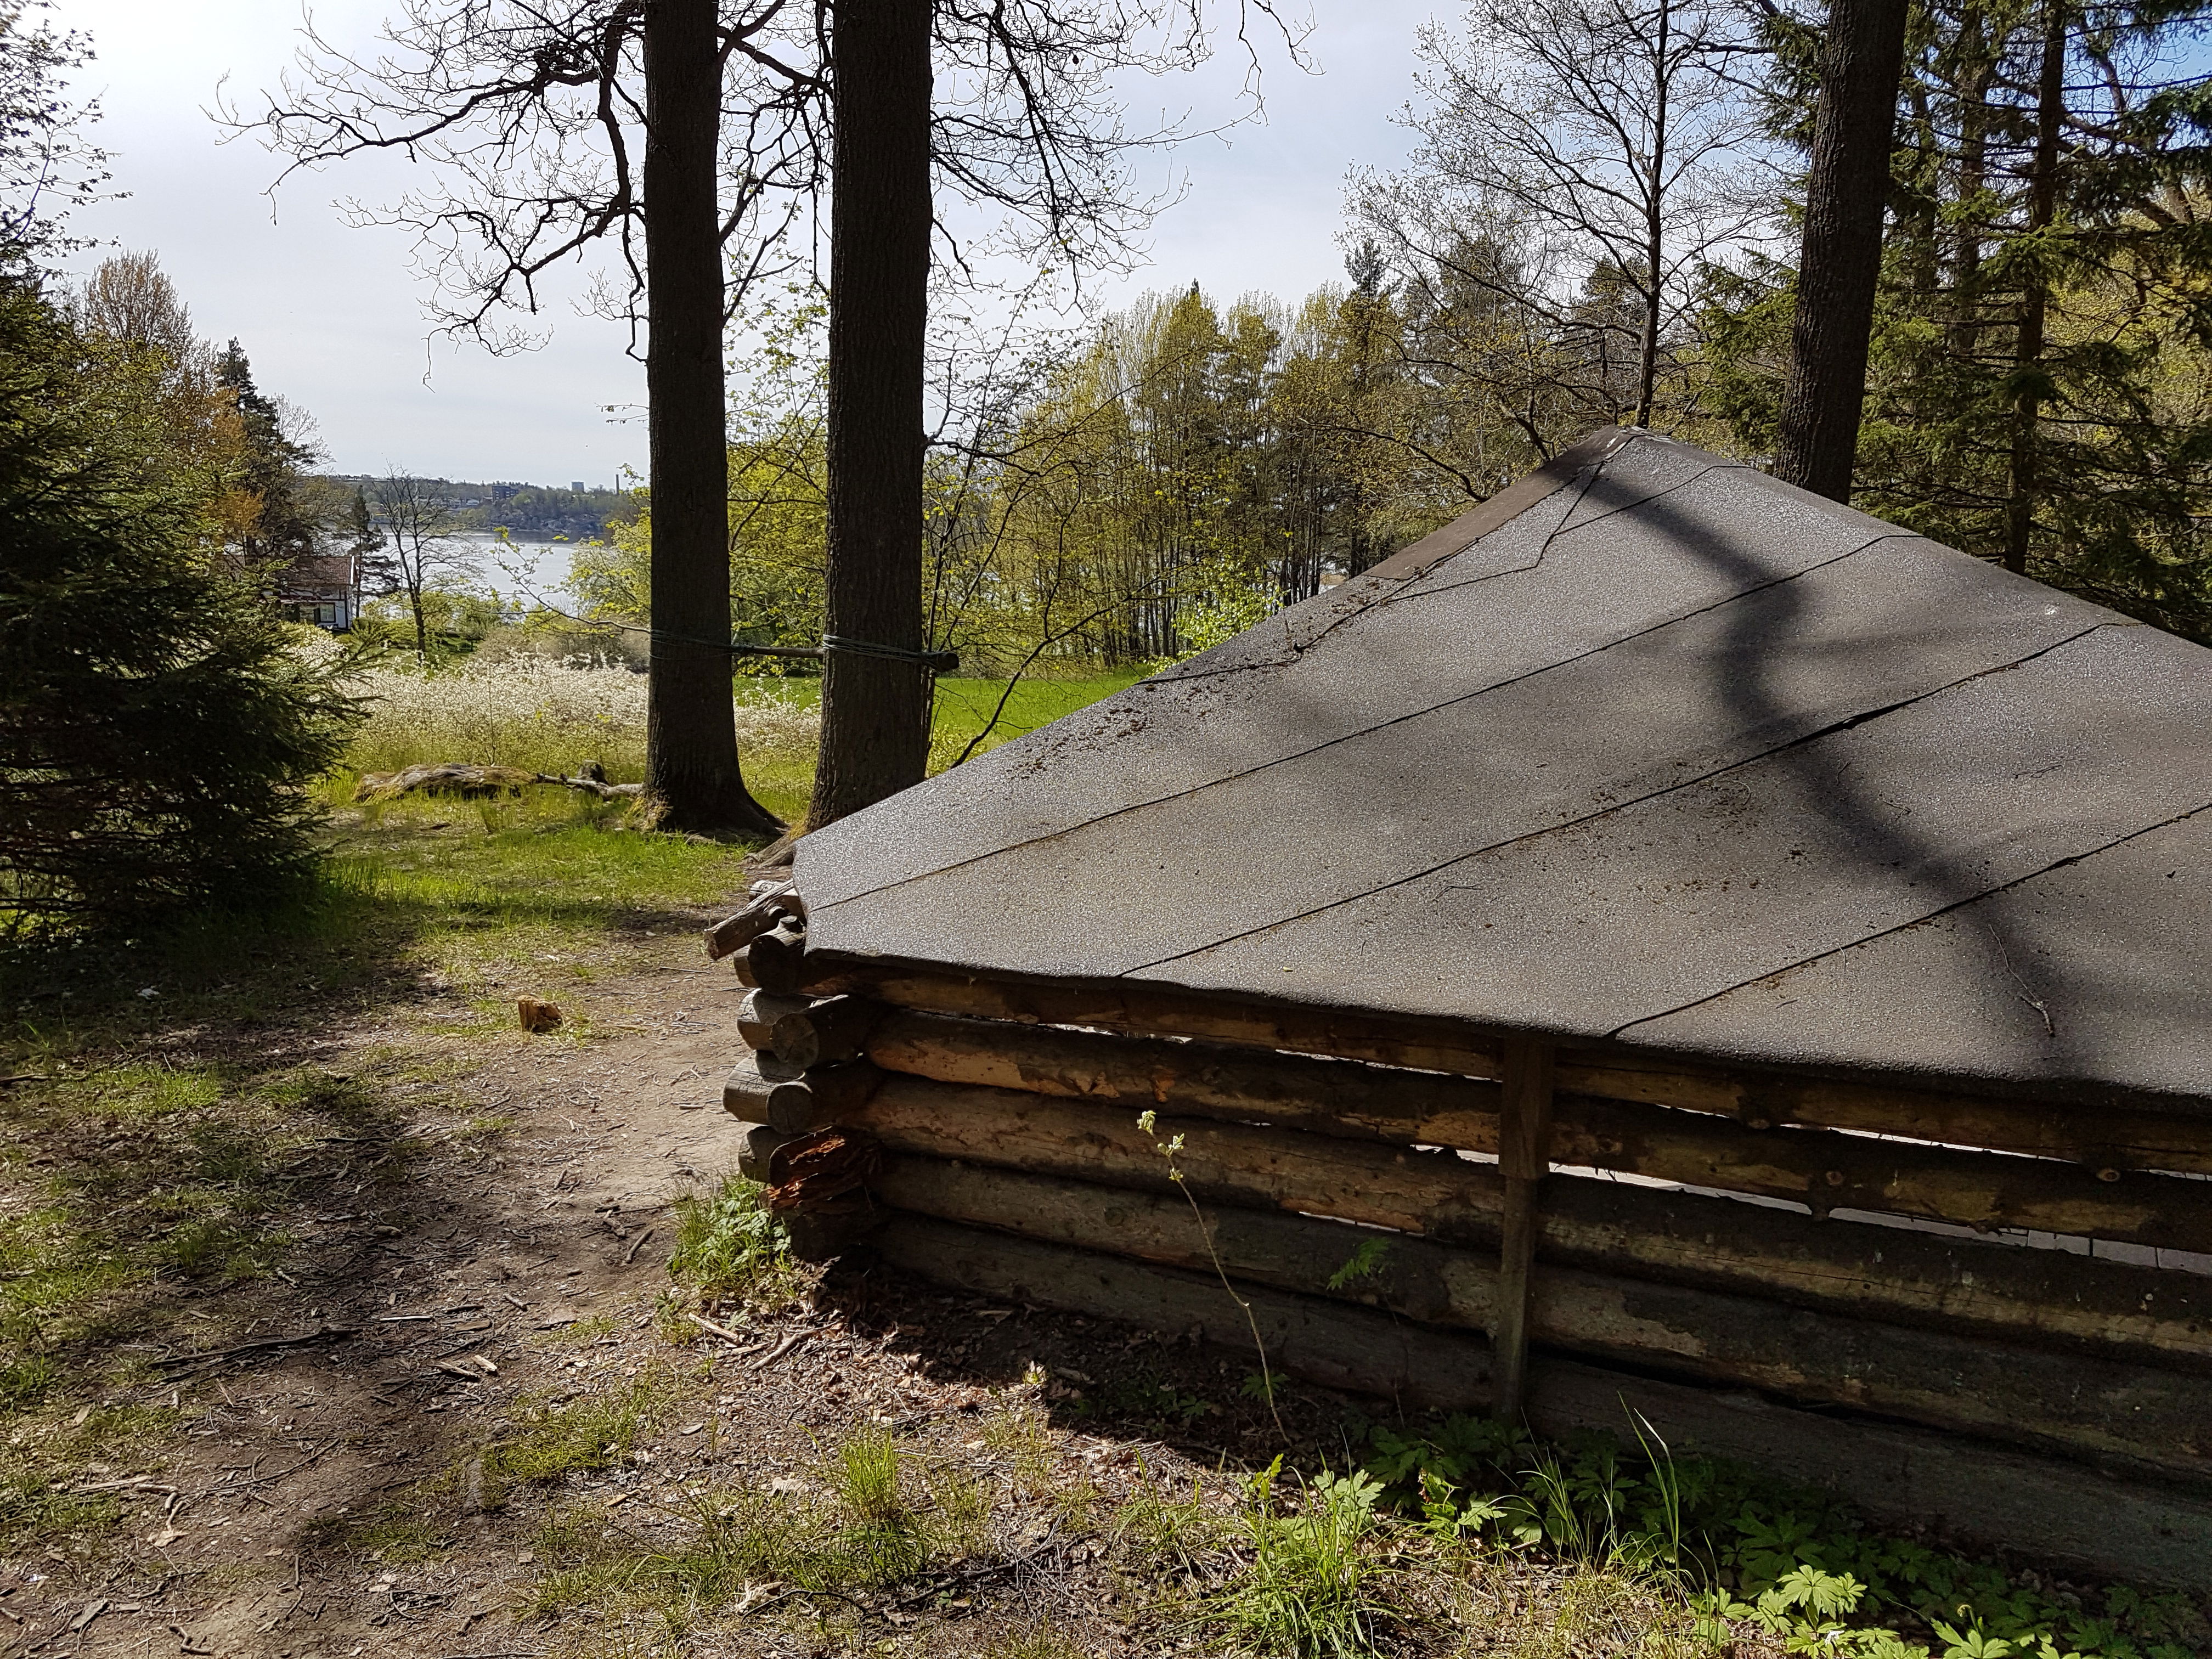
point(691, 768)
point(876, 710)
point(2027, 356)
point(1817, 444)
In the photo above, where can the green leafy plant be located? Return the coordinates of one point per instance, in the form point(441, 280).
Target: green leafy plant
point(1746, 1549)
point(1312, 1586)
point(1365, 1262)
point(728, 1243)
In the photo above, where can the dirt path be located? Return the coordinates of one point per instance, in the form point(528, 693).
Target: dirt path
point(504, 1282)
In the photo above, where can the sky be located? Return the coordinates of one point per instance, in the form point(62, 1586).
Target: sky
point(330, 315)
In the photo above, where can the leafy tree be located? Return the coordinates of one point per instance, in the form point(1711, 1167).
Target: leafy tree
point(47, 168)
point(1582, 162)
point(419, 553)
point(157, 729)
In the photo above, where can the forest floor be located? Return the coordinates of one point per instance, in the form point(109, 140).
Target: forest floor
point(337, 1318)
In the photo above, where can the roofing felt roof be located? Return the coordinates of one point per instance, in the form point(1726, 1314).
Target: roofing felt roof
point(1650, 748)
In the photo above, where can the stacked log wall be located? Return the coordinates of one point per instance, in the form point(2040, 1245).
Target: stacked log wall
point(1825, 1244)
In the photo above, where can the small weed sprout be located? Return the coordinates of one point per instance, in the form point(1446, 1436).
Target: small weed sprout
point(1365, 1262)
point(1171, 1149)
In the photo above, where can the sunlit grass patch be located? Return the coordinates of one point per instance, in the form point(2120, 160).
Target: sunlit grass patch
point(548, 1442)
point(1315, 1580)
point(890, 1514)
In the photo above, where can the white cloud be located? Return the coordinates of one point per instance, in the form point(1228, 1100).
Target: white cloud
point(329, 314)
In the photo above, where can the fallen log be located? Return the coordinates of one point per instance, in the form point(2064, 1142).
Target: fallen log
point(2080, 1405)
point(1906, 1276)
point(2057, 1511)
point(1823, 1170)
point(471, 781)
point(2114, 1137)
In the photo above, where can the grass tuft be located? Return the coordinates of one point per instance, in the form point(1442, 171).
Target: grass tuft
point(1313, 1585)
point(550, 1442)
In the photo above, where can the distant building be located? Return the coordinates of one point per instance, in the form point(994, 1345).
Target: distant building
point(324, 589)
point(578, 486)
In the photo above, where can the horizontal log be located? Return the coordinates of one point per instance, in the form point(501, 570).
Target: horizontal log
point(1823, 1170)
point(1343, 1098)
point(1891, 1273)
point(2056, 1511)
point(2070, 1402)
point(757, 1147)
point(1141, 1010)
point(2101, 1137)
point(762, 1089)
point(757, 1016)
point(777, 961)
point(733, 933)
point(826, 1031)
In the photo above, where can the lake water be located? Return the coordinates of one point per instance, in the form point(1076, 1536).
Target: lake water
point(522, 569)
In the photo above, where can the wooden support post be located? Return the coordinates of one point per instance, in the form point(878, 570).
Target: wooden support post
point(1523, 1158)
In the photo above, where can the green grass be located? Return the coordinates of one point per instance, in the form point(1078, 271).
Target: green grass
point(966, 711)
point(890, 1514)
point(1314, 1583)
point(966, 708)
point(728, 1246)
point(548, 1442)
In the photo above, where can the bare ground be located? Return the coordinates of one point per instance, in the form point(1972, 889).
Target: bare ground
point(332, 1496)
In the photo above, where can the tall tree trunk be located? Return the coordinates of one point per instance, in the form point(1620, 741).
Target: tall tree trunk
point(691, 736)
point(875, 709)
point(1965, 330)
point(2027, 355)
point(1817, 443)
point(1655, 216)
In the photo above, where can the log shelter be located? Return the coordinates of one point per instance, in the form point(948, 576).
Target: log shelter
point(1665, 941)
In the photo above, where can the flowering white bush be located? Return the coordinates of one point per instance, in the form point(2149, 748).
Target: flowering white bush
point(541, 714)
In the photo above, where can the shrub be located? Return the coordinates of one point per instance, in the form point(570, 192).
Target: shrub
point(540, 714)
point(156, 729)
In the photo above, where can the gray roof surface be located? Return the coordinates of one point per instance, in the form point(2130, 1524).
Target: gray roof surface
point(1651, 747)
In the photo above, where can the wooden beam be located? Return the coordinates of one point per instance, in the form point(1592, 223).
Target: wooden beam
point(762, 1088)
point(1934, 1281)
point(733, 933)
point(2089, 1406)
point(1823, 1170)
point(2055, 1511)
point(777, 961)
point(2106, 1136)
point(1524, 1137)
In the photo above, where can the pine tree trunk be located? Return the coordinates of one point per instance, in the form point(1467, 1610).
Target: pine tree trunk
point(691, 740)
point(2027, 356)
point(1816, 445)
point(876, 710)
